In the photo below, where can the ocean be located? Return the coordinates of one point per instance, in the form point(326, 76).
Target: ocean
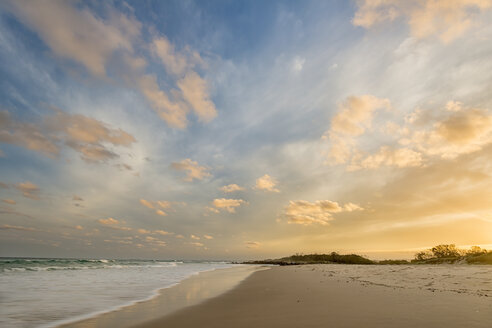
point(48, 292)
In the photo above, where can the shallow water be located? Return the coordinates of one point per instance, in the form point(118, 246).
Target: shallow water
point(47, 292)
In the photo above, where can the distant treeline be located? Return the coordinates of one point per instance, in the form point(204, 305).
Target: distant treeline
point(451, 254)
point(435, 255)
point(333, 257)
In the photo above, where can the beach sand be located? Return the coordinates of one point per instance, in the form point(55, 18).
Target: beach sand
point(347, 296)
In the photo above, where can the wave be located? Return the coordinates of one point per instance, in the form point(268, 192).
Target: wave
point(30, 265)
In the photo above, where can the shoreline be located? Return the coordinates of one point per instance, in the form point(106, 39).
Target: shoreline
point(325, 295)
point(201, 284)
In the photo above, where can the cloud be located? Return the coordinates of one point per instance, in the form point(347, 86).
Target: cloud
point(160, 212)
point(174, 62)
point(195, 92)
point(77, 34)
point(354, 116)
point(231, 188)
point(444, 18)
point(208, 237)
point(77, 198)
point(143, 231)
point(197, 244)
point(298, 64)
point(28, 189)
point(193, 170)
point(108, 221)
point(79, 227)
point(211, 209)
point(386, 156)
point(194, 89)
point(266, 183)
point(164, 204)
point(154, 206)
point(318, 212)
point(172, 111)
point(252, 244)
point(454, 131)
point(146, 203)
point(194, 237)
point(9, 201)
point(19, 228)
point(87, 136)
point(162, 232)
point(228, 204)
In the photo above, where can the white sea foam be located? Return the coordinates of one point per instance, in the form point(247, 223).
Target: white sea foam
point(49, 292)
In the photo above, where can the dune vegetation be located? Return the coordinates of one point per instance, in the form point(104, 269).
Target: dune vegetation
point(445, 253)
point(449, 253)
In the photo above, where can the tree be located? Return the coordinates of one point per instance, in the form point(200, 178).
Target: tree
point(424, 255)
point(476, 250)
point(443, 251)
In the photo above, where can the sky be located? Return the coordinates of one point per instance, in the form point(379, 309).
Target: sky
point(244, 129)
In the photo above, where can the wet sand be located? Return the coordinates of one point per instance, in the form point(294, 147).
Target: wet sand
point(188, 292)
point(347, 296)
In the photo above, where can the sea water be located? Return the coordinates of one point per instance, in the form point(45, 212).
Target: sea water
point(49, 292)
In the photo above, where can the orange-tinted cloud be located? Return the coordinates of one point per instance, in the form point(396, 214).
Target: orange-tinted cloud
point(318, 212)
point(228, 204)
point(108, 221)
point(231, 188)
point(88, 136)
point(193, 170)
point(266, 183)
point(28, 189)
point(448, 19)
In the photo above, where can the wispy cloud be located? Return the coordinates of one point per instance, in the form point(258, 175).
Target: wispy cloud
point(157, 206)
point(87, 136)
point(28, 189)
point(318, 212)
point(95, 42)
point(19, 228)
point(252, 244)
point(446, 19)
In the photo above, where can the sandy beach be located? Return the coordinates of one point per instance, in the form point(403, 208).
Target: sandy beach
point(347, 296)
